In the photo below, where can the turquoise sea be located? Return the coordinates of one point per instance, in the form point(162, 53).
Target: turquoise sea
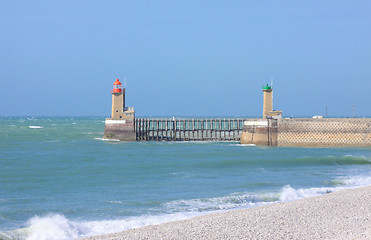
point(60, 180)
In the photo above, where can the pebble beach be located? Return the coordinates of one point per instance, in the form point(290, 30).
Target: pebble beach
point(344, 214)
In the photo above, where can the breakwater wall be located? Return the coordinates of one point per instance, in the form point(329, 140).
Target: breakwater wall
point(188, 129)
point(326, 132)
point(308, 132)
point(119, 129)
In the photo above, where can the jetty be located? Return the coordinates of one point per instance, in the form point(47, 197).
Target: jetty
point(188, 129)
point(270, 130)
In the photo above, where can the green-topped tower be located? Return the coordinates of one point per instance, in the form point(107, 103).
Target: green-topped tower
point(267, 101)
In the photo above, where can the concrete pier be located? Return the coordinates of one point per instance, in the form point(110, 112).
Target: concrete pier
point(272, 130)
point(120, 129)
point(260, 132)
point(308, 132)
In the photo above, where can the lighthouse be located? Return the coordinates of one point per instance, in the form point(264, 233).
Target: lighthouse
point(268, 111)
point(267, 101)
point(118, 100)
point(119, 111)
point(263, 131)
point(121, 123)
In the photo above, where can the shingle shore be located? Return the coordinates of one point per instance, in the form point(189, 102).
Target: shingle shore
point(344, 214)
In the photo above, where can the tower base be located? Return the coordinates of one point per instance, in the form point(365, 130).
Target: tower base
point(122, 130)
point(261, 132)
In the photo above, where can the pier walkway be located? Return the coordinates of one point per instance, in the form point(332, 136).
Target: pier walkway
point(188, 129)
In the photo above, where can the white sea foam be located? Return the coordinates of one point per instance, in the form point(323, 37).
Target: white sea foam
point(52, 227)
point(58, 227)
point(288, 193)
point(35, 127)
point(233, 201)
point(241, 145)
point(355, 181)
point(108, 140)
point(247, 145)
point(253, 199)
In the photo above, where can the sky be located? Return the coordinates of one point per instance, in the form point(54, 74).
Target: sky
point(185, 58)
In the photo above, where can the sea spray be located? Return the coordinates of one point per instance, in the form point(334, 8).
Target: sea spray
point(53, 227)
point(288, 193)
point(58, 227)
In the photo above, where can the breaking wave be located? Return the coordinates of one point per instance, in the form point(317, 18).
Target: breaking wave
point(58, 227)
point(55, 226)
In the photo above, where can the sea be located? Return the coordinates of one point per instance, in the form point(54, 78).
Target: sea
point(59, 179)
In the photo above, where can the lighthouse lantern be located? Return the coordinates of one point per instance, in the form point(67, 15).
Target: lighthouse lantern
point(117, 86)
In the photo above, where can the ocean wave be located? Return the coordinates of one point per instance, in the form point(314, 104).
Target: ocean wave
point(330, 160)
point(288, 193)
point(35, 127)
point(358, 156)
point(353, 181)
point(233, 201)
point(58, 227)
point(293, 161)
point(54, 226)
point(252, 199)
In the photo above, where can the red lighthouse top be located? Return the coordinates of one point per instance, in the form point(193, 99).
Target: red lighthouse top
point(117, 86)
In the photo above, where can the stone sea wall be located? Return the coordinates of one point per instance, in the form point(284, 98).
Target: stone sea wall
point(326, 132)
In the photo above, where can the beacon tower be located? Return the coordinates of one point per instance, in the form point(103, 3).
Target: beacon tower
point(118, 100)
point(121, 123)
point(268, 111)
point(267, 101)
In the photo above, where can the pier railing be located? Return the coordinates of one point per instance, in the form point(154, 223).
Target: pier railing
point(189, 129)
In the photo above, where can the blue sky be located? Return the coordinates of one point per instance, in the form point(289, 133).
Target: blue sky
point(185, 58)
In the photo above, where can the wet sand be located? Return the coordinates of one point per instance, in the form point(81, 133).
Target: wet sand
point(343, 214)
